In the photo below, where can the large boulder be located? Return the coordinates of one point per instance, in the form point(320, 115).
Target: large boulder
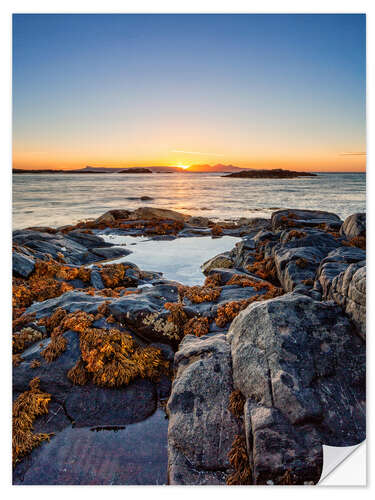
point(111, 216)
point(354, 225)
point(201, 428)
point(149, 213)
point(305, 218)
point(301, 367)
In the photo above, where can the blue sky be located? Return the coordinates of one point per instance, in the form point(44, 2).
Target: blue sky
point(262, 90)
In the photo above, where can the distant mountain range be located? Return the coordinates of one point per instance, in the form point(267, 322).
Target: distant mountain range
point(112, 170)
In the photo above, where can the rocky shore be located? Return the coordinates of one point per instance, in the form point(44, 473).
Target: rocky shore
point(275, 173)
point(238, 381)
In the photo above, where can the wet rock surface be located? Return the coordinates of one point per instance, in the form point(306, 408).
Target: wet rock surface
point(301, 368)
point(292, 293)
point(201, 427)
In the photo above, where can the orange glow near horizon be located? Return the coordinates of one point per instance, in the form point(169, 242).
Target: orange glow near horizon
point(325, 162)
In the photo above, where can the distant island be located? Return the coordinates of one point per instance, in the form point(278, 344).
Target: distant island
point(101, 170)
point(230, 170)
point(276, 173)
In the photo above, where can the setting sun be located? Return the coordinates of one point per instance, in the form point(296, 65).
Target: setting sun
point(183, 166)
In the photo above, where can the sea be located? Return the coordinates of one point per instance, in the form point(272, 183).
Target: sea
point(58, 199)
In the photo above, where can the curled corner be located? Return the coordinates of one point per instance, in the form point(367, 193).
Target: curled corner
point(344, 465)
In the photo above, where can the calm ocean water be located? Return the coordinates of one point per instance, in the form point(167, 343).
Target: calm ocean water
point(55, 200)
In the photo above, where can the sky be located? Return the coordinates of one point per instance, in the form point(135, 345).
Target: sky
point(258, 91)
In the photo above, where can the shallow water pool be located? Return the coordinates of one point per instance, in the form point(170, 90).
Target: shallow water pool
point(179, 259)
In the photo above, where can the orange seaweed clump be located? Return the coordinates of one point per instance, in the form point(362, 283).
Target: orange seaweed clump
point(53, 321)
point(58, 323)
point(264, 268)
point(23, 339)
point(239, 460)
point(198, 294)
point(196, 326)
point(167, 227)
point(78, 374)
point(78, 321)
point(213, 280)
point(29, 405)
point(236, 403)
point(56, 347)
point(35, 363)
point(216, 230)
point(16, 359)
point(246, 281)
point(45, 282)
point(113, 275)
point(228, 311)
point(122, 221)
point(113, 359)
point(111, 319)
point(72, 273)
point(178, 315)
point(21, 319)
point(36, 290)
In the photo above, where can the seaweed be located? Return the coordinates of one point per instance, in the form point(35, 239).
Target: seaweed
point(236, 403)
point(198, 294)
point(23, 339)
point(228, 311)
point(113, 359)
point(29, 405)
point(216, 230)
point(264, 268)
point(178, 315)
point(197, 326)
point(239, 460)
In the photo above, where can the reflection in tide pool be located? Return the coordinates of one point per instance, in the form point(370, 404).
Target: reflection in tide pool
point(134, 454)
point(178, 260)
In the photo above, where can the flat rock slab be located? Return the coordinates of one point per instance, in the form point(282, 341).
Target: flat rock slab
point(134, 454)
point(70, 301)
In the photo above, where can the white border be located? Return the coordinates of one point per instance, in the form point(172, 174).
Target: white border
point(192, 6)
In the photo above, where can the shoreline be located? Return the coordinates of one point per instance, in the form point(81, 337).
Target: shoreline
point(115, 330)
